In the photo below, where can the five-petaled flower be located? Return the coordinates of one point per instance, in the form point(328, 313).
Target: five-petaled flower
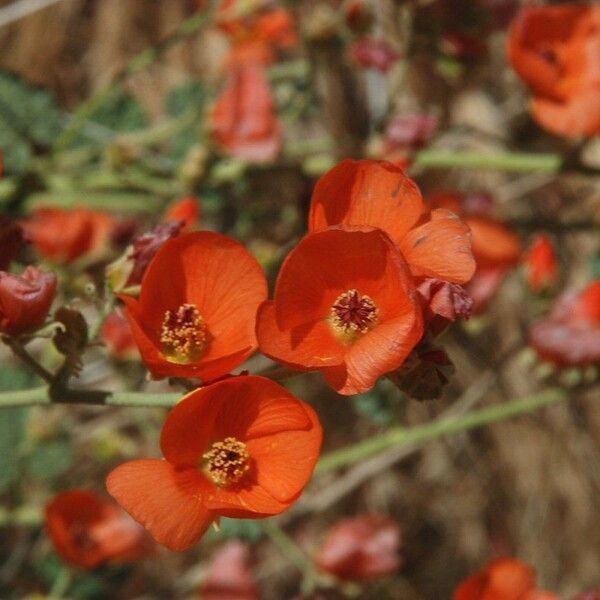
point(196, 313)
point(88, 530)
point(555, 50)
point(504, 579)
point(25, 300)
point(243, 447)
point(344, 304)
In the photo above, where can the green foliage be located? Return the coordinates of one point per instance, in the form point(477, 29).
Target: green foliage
point(595, 267)
point(30, 121)
point(12, 425)
point(121, 112)
point(379, 404)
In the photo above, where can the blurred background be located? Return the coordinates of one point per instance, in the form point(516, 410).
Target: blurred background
point(110, 105)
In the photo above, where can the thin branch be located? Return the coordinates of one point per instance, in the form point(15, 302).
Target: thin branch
point(19, 351)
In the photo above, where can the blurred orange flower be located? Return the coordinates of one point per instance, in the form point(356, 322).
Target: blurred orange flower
point(25, 300)
point(197, 308)
point(63, 236)
point(244, 121)
point(88, 530)
point(378, 194)
point(556, 50)
point(504, 579)
point(361, 548)
point(570, 335)
point(229, 576)
point(243, 447)
point(344, 304)
point(541, 264)
point(187, 210)
point(118, 337)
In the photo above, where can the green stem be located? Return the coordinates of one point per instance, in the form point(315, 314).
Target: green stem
point(39, 396)
point(499, 161)
point(401, 436)
point(138, 63)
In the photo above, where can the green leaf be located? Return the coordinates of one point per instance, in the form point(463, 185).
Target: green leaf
point(595, 267)
point(121, 112)
point(30, 121)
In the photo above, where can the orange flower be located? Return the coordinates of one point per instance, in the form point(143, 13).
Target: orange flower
point(25, 300)
point(379, 194)
point(118, 337)
point(87, 530)
point(541, 264)
point(243, 447)
point(187, 210)
point(555, 50)
point(570, 335)
point(197, 308)
point(244, 121)
point(229, 576)
point(344, 304)
point(361, 548)
point(63, 236)
point(505, 579)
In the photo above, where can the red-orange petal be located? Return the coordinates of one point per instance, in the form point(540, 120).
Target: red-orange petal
point(168, 502)
point(440, 248)
point(366, 192)
point(493, 243)
point(381, 350)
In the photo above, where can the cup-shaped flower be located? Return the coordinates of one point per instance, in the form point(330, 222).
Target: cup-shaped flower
point(361, 548)
point(504, 579)
point(196, 313)
point(541, 264)
point(344, 304)
point(555, 50)
point(243, 447)
point(378, 194)
point(63, 236)
point(25, 300)
point(88, 530)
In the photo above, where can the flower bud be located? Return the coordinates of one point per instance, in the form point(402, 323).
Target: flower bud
point(25, 300)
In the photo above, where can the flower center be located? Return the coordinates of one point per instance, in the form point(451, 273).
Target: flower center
point(226, 462)
point(183, 334)
point(353, 313)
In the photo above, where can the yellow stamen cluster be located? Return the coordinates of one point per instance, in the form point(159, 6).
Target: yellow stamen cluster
point(226, 462)
point(183, 333)
point(353, 313)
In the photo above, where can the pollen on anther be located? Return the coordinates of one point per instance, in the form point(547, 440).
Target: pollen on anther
point(353, 312)
point(226, 462)
point(183, 333)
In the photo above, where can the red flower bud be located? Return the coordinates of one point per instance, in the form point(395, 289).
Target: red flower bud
point(541, 264)
point(229, 575)
point(146, 246)
point(186, 210)
point(25, 300)
point(443, 303)
point(361, 548)
point(374, 54)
